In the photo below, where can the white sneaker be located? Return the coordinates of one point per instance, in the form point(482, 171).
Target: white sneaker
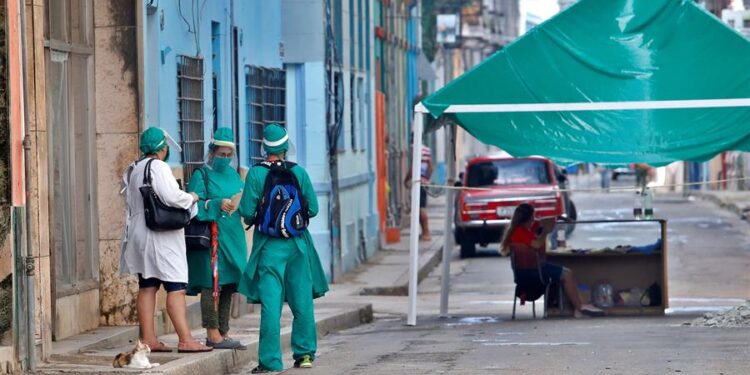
point(592, 310)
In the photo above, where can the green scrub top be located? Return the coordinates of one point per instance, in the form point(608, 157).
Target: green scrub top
point(232, 252)
point(254, 183)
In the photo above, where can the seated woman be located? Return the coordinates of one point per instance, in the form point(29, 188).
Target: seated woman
point(524, 230)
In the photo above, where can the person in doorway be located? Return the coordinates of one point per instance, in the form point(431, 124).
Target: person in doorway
point(219, 188)
point(524, 230)
point(425, 174)
point(281, 267)
point(157, 257)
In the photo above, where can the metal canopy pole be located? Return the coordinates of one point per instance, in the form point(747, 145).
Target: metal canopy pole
point(414, 231)
point(450, 167)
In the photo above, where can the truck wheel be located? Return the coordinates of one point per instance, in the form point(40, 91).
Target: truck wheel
point(468, 247)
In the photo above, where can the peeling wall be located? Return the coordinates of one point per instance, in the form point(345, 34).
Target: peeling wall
point(116, 109)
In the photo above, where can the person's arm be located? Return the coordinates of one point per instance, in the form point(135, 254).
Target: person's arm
point(309, 193)
point(166, 187)
point(208, 209)
point(250, 195)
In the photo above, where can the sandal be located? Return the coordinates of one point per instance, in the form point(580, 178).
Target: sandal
point(193, 347)
point(160, 347)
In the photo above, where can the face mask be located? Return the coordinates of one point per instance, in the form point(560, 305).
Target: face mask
point(221, 163)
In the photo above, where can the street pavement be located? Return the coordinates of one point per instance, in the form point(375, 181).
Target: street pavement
point(708, 259)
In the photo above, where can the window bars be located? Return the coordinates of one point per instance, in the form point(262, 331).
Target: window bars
point(190, 112)
point(266, 104)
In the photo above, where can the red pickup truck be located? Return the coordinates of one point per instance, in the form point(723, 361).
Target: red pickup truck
point(506, 182)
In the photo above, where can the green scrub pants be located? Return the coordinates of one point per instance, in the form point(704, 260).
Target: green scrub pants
point(284, 270)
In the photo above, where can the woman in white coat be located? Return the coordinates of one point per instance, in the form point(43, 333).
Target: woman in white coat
point(157, 258)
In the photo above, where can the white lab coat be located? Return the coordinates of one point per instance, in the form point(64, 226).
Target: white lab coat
point(146, 252)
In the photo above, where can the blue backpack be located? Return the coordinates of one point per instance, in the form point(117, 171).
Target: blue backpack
point(283, 210)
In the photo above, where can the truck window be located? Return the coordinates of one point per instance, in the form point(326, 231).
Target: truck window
point(509, 172)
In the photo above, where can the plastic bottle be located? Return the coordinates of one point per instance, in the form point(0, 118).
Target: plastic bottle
point(561, 237)
point(648, 204)
point(637, 206)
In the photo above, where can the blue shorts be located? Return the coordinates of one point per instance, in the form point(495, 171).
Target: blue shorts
point(156, 283)
point(552, 272)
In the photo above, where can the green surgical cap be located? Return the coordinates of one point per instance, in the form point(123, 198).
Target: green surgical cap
point(275, 139)
point(224, 137)
point(153, 141)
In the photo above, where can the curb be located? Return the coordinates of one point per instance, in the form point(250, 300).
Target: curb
point(427, 262)
point(733, 207)
point(218, 362)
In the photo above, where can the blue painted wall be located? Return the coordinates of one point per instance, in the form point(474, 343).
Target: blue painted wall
point(172, 30)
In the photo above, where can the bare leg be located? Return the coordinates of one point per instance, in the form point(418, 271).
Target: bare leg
point(424, 222)
point(177, 310)
point(571, 290)
point(146, 305)
point(214, 335)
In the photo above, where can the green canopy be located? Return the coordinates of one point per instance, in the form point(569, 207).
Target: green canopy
point(611, 81)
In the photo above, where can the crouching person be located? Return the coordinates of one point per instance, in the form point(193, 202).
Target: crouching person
point(278, 199)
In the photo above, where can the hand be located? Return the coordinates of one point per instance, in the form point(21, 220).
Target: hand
point(227, 205)
point(195, 197)
point(548, 225)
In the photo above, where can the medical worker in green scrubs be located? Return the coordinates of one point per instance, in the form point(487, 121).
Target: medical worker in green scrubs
point(216, 185)
point(282, 269)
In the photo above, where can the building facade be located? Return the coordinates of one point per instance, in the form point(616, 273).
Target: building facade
point(98, 73)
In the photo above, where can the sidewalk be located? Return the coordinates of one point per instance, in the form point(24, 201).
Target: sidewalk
point(343, 307)
point(735, 201)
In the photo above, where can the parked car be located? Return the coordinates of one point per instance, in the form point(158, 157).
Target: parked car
point(482, 215)
point(622, 171)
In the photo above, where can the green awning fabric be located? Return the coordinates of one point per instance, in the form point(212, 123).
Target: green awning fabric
point(601, 51)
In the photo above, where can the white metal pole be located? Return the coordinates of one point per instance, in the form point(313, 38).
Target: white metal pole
point(450, 167)
point(416, 177)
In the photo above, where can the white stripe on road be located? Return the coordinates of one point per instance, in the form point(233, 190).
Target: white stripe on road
point(572, 343)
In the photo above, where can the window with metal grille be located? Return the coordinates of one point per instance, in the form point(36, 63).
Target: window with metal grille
point(266, 104)
point(190, 112)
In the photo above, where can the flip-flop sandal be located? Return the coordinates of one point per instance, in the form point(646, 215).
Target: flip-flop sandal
point(203, 350)
point(160, 348)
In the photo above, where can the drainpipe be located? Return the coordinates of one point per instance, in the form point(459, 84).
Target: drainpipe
point(140, 11)
point(29, 253)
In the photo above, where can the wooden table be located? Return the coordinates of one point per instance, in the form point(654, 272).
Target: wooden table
point(622, 271)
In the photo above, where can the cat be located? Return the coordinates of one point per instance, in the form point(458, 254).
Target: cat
point(136, 359)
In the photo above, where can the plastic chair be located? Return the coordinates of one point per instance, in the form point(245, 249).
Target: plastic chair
point(530, 283)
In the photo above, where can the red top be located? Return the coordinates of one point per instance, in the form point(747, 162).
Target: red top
point(525, 236)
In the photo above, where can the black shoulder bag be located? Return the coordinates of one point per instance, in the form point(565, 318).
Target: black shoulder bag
point(159, 216)
point(197, 232)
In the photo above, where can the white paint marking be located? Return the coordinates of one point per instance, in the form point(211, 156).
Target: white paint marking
point(707, 300)
point(696, 309)
point(536, 343)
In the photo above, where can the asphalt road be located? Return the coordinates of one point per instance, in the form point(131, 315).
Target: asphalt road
point(709, 255)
